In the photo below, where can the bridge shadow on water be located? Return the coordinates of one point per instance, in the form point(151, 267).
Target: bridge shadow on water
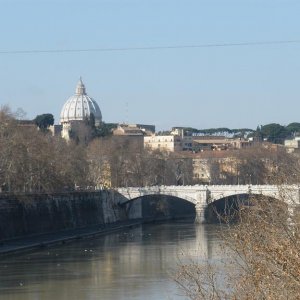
point(227, 209)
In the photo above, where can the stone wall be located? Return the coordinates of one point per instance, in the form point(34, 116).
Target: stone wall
point(33, 214)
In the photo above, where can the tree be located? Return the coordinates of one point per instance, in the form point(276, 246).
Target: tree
point(31, 161)
point(293, 128)
point(262, 251)
point(275, 133)
point(92, 120)
point(104, 129)
point(255, 165)
point(129, 164)
point(44, 121)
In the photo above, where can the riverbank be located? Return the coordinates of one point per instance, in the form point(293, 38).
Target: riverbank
point(30, 243)
point(31, 221)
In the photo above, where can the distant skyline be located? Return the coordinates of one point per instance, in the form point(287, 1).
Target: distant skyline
point(205, 87)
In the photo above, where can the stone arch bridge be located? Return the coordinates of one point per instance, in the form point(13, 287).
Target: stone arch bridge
point(202, 195)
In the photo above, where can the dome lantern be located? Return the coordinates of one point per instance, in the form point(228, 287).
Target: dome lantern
point(80, 88)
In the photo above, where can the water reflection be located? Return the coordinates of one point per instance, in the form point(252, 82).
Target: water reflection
point(134, 264)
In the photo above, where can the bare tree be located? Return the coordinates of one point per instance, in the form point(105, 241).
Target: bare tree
point(262, 256)
point(258, 165)
point(31, 160)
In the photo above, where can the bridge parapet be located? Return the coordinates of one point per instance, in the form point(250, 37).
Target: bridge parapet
point(214, 192)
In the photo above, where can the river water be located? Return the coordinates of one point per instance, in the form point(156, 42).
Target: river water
point(137, 263)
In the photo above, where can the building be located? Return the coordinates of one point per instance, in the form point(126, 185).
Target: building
point(201, 170)
point(292, 145)
point(218, 143)
point(128, 130)
point(148, 129)
point(180, 140)
point(171, 143)
point(134, 129)
point(132, 133)
point(77, 114)
point(28, 124)
point(55, 129)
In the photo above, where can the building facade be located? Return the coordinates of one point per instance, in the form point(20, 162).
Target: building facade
point(292, 145)
point(171, 143)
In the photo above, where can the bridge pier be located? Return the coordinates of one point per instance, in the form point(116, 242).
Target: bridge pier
point(200, 218)
point(200, 207)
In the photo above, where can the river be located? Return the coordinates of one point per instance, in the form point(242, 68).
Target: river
point(136, 263)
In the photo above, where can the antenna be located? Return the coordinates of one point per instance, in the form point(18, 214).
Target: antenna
point(126, 113)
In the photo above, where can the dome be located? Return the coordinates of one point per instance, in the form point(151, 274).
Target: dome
point(80, 106)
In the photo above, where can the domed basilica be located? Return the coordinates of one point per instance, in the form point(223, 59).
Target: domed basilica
point(76, 114)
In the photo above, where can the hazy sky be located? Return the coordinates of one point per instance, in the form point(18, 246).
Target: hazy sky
point(234, 87)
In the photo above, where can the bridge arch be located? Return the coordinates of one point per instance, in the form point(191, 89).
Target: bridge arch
point(166, 194)
point(160, 207)
point(227, 209)
point(220, 193)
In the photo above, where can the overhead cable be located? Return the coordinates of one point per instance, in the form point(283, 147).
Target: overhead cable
point(215, 45)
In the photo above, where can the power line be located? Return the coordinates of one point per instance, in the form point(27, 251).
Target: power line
point(216, 45)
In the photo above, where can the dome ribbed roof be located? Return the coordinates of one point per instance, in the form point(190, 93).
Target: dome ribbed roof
point(80, 106)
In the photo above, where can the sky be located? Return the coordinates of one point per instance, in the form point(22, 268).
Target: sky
point(204, 87)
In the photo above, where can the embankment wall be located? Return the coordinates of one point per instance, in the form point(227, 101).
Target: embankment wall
point(33, 214)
